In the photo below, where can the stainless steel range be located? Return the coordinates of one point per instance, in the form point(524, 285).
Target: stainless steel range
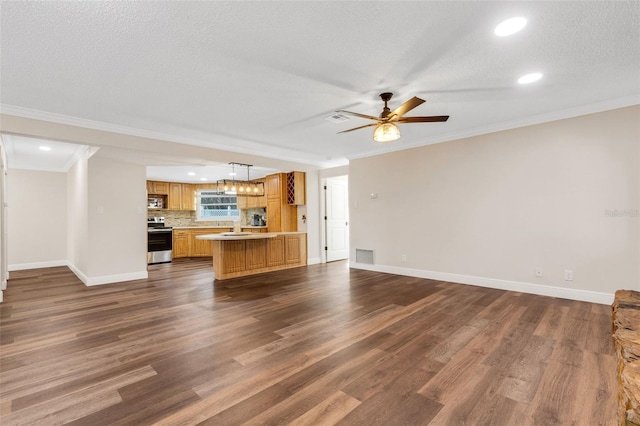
point(159, 241)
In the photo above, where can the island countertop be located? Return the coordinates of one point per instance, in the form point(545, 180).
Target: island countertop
point(234, 236)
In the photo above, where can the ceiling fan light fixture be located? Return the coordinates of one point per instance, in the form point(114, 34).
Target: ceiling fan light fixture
point(386, 132)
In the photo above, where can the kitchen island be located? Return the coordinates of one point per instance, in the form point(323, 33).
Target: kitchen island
point(238, 254)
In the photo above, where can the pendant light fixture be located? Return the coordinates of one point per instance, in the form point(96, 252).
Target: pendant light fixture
point(245, 188)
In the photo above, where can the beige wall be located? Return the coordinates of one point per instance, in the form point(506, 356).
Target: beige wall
point(92, 218)
point(77, 220)
point(4, 269)
point(117, 213)
point(37, 224)
point(490, 209)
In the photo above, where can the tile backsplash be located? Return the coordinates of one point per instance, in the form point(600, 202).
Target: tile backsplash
point(177, 218)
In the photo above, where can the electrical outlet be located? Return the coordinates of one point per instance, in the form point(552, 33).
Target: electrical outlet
point(568, 275)
point(404, 257)
point(538, 272)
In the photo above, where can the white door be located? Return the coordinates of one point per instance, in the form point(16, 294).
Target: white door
point(337, 219)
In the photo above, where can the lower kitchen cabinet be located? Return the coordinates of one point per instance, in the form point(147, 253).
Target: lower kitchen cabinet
point(185, 243)
point(181, 243)
point(201, 248)
point(295, 248)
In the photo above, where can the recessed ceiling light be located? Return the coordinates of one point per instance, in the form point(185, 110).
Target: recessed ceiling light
point(232, 173)
point(203, 179)
point(191, 173)
point(530, 78)
point(510, 26)
point(45, 148)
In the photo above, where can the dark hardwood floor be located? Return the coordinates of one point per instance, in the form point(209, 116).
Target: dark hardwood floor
point(317, 345)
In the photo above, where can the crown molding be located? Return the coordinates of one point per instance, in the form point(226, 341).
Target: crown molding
point(243, 147)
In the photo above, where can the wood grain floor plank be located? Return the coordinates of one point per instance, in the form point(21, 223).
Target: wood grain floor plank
point(320, 345)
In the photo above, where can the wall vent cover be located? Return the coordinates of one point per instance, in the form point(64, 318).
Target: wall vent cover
point(364, 256)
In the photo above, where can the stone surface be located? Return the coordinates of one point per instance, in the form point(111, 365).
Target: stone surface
point(626, 336)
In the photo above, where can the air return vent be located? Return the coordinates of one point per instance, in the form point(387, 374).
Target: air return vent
point(364, 256)
point(336, 117)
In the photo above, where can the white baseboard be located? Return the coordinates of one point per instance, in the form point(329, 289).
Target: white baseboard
point(543, 290)
point(314, 261)
point(107, 279)
point(37, 265)
point(88, 281)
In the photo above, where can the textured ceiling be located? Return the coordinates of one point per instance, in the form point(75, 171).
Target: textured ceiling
point(261, 77)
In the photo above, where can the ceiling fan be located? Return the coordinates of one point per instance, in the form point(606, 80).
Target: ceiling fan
point(386, 130)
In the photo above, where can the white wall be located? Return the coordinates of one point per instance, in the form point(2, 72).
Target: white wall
point(38, 226)
point(488, 210)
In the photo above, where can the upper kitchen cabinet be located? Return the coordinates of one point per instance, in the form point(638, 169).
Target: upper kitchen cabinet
point(157, 188)
point(296, 188)
point(273, 186)
point(281, 216)
point(175, 196)
point(188, 196)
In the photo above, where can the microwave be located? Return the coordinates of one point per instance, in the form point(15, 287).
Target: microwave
point(155, 203)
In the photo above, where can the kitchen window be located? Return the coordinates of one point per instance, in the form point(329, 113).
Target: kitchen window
point(214, 205)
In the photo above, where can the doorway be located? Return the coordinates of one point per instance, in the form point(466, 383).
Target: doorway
point(336, 207)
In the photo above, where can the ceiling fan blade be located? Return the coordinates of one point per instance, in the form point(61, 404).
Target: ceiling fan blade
point(406, 107)
point(357, 114)
point(433, 119)
point(361, 127)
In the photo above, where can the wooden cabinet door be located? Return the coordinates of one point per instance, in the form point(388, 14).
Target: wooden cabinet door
point(274, 215)
point(292, 250)
point(242, 202)
point(161, 188)
point(234, 256)
point(149, 187)
point(175, 196)
point(188, 197)
point(273, 186)
point(275, 251)
point(181, 243)
point(256, 257)
point(201, 248)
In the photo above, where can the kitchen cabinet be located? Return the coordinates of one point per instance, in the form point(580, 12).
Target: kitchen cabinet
point(258, 202)
point(247, 229)
point(273, 186)
point(175, 196)
point(296, 188)
point(256, 254)
point(281, 217)
point(185, 243)
point(236, 256)
point(201, 248)
point(242, 202)
point(295, 248)
point(188, 197)
point(158, 188)
point(181, 243)
point(275, 252)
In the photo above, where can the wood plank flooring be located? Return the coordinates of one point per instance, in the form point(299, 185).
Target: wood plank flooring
point(317, 345)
